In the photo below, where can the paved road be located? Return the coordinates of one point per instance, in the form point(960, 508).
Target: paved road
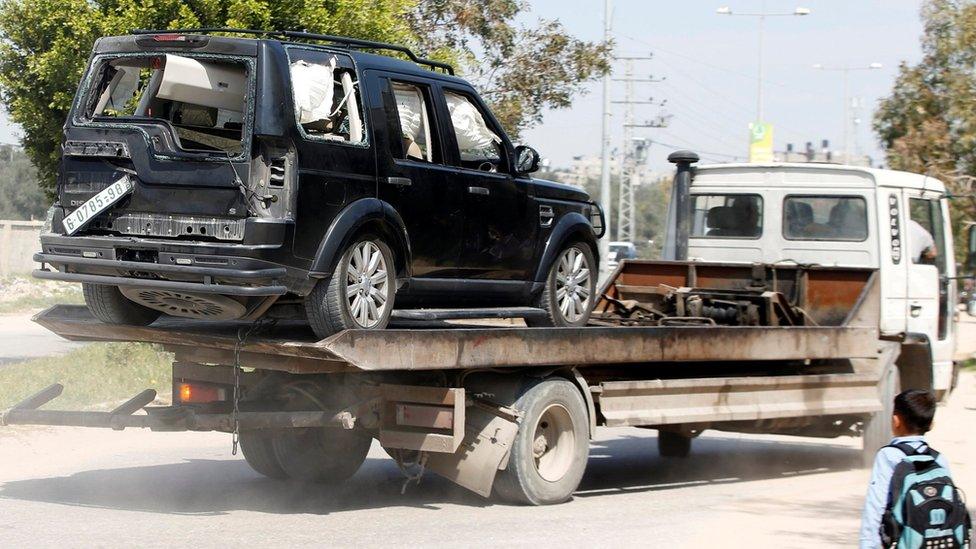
point(71, 487)
point(21, 339)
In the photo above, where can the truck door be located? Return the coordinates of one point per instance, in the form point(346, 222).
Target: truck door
point(929, 309)
point(413, 176)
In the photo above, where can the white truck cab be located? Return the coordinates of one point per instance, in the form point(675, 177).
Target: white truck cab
point(834, 215)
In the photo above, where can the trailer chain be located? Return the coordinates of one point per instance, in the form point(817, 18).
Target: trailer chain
point(421, 464)
point(242, 335)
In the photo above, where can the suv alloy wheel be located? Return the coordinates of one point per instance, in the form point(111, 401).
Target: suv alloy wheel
point(570, 286)
point(360, 293)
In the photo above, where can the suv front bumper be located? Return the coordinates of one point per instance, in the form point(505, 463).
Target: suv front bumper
point(128, 262)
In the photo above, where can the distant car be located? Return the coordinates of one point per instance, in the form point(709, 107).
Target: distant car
point(215, 178)
point(619, 251)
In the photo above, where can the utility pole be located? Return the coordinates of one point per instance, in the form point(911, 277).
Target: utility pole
point(762, 14)
point(845, 72)
point(605, 168)
point(631, 163)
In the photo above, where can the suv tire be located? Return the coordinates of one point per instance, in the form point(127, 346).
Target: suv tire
point(568, 295)
point(360, 292)
point(108, 304)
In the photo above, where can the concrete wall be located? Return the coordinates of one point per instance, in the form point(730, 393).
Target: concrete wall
point(19, 241)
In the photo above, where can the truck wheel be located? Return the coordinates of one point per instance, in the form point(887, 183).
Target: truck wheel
point(568, 295)
point(325, 455)
point(877, 428)
point(258, 452)
point(549, 454)
point(360, 292)
point(670, 444)
point(106, 303)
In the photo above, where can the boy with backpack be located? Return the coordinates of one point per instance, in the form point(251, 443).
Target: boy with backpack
point(911, 501)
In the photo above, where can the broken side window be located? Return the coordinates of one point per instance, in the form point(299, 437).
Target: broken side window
point(326, 93)
point(479, 147)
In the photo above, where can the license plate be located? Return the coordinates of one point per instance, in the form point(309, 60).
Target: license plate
point(97, 204)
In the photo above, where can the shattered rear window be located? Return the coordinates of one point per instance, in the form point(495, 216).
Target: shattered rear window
point(203, 100)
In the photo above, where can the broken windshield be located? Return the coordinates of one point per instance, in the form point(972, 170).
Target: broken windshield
point(203, 100)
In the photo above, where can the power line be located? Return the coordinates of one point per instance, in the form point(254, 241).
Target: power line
point(688, 144)
point(722, 95)
point(710, 65)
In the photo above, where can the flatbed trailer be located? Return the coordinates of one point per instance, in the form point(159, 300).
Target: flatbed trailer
point(509, 409)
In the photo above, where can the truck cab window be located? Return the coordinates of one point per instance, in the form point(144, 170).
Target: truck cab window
point(413, 112)
point(726, 216)
point(479, 148)
point(925, 233)
point(825, 218)
point(326, 96)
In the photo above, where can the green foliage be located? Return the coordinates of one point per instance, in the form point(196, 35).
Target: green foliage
point(928, 123)
point(519, 71)
point(98, 375)
point(20, 195)
point(44, 46)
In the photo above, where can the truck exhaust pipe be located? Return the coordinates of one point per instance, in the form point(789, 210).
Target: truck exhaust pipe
point(682, 200)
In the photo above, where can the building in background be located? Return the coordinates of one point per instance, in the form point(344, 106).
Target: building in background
point(583, 169)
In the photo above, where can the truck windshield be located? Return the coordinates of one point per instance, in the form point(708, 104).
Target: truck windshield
point(203, 100)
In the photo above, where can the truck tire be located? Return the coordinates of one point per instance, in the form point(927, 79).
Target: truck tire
point(360, 292)
point(107, 304)
point(258, 450)
point(673, 445)
point(326, 455)
point(877, 428)
point(568, 296)
point(549, 454)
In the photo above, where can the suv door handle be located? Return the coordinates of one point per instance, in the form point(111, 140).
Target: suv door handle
point(398, 181)
point(479, 190)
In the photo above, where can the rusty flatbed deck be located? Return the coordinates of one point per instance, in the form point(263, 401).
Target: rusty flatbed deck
point(291, 347)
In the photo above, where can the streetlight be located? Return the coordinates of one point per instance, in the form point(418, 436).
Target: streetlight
point(844, 70)
point(762, 15)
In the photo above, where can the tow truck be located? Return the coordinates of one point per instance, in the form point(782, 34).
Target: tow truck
point(679, 345)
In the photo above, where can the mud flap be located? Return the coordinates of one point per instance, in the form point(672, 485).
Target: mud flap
point(487, 442)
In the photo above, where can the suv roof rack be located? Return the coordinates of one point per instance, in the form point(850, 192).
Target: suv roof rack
point(337, 40)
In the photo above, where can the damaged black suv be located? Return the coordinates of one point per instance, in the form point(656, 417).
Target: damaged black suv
point(231, 178)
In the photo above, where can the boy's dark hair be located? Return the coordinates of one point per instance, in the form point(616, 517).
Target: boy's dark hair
point(916, 407)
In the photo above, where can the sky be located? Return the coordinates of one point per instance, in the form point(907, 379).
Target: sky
point(709, 62)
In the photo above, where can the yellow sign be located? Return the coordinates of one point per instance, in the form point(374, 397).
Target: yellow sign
point(760, 142)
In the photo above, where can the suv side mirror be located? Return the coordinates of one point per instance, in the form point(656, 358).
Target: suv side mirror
point(526, 160)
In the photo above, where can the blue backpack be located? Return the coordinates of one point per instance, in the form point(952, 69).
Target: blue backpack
point(925, 509)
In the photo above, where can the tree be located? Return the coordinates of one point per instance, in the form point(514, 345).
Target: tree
point(928, 123)
point(44, 47)
point(20, 196)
